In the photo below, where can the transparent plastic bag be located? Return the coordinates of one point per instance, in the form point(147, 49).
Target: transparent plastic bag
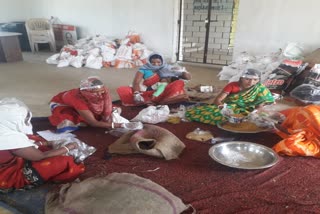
point(137, 98)
point(133, 126)
point(221, 139)
point(127, 127)
point(182, 112)
point(116, 117)
point(226, 111)
point(54, 59)
point(293, 51)
point(266, 117)
point(153, 114)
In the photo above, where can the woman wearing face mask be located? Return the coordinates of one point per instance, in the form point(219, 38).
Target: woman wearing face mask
point(155, 71)
point(242, 97)
point(22, 164)
point(91, 104)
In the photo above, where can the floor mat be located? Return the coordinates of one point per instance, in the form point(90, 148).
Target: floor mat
point(291, 186)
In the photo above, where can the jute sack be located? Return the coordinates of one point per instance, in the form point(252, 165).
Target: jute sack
point(116, 193)
point(151, 140)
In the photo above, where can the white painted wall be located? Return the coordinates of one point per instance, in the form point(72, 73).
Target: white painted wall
point(13, 10)
point(264, 26)
point(155, 20)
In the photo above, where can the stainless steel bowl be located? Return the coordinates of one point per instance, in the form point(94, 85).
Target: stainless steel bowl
point(243, 155)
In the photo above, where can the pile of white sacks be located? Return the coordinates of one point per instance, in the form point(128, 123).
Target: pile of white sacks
point(264, 63)
point(100, 51)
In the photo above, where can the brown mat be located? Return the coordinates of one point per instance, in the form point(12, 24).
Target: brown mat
point(291, 186)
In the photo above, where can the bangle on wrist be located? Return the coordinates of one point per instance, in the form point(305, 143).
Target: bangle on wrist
point(112, 125)
point(68, 150)
point(40, 143)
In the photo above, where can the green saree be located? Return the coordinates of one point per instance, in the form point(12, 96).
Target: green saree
point(243, 102)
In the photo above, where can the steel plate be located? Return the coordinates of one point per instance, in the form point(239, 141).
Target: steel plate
point(243, 155)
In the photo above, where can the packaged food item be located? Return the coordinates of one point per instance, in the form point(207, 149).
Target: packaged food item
point(199, 135)
point(206, 88)
point(281, 78)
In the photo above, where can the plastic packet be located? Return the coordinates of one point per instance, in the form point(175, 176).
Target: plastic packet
point(199, 135)
point(272, 113)
point(306, 93)
point(127, 127)
point(116, 118)
point(206, 88)
point(220, 139)
point(153, 114)
point(133, 126)
point(313, 77)
point(226, 111)
point(293, 51)
point(266, 117)
point(182, 113)
point(137, 98)
point(177, 115)
point(81, 153)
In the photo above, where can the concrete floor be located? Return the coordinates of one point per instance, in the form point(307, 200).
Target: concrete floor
point(35, 82)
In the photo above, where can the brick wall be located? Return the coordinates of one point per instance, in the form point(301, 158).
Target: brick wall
point(193, 31)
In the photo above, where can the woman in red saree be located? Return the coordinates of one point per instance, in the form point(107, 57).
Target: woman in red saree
point(22, 165)
point(149, 75)
point(91, 104)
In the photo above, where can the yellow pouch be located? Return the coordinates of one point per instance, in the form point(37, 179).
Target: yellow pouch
point(174, 120)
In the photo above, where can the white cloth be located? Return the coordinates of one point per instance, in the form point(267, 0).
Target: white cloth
point(15, 123)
